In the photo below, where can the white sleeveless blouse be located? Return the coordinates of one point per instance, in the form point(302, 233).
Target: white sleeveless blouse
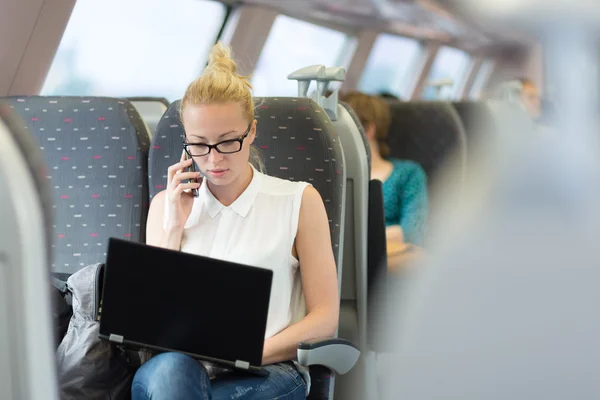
point(258, 229)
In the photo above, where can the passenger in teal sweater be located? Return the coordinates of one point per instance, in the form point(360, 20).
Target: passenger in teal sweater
point(404, 182)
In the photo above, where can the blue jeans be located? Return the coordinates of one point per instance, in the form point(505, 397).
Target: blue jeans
point(175, 376)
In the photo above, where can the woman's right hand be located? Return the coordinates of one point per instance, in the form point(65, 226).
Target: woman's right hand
point(176, 216)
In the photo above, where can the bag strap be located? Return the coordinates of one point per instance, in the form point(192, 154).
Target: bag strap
point(60, 282)
point(129, 359)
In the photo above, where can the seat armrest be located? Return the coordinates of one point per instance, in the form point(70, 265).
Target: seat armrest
point(339, 355)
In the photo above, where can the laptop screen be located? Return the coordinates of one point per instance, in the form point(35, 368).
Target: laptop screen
point(183, 302)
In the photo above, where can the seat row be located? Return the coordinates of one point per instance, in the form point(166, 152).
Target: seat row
point(103, 170)
point(105, 163)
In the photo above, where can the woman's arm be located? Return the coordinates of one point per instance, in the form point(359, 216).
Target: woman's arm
point(156, 235)
point(395, 244)
point(319, 283)
point(169, 233)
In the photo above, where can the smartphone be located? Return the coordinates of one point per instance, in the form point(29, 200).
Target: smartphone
point(192, 168)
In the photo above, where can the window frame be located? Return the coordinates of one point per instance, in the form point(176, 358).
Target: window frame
point(484, 62)
point(459, 86)
point(413, 71)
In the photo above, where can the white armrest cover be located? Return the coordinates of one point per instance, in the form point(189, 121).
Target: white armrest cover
point(339, 355)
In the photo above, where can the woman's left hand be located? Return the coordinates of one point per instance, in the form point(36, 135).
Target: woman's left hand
point(394, 234)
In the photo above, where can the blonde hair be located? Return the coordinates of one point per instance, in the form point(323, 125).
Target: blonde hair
point(220, 83)
point(372, 110)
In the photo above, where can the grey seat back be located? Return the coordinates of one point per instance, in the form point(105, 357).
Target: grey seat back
point(361, 131)
point(151, 110)
point(357, 158)
point(27, 365)
point(96, 150)
point(427, 133)
point(479, 123)
point(476, 118)
point(353, 310)
point(298, 142)
point(506, 307)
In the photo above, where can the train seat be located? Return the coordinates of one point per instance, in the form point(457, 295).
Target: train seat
point(523, 312)
point(361, 381)
point(27, 365)
point(358, 237)
point(428, 133)
point(96, 149)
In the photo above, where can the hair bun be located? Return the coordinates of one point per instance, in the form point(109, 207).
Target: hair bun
point(220, 59)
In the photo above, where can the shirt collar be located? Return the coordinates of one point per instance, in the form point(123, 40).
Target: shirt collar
point(241, 205)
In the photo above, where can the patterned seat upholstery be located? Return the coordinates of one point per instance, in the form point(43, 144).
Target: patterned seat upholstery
point(96, 150)
point(297, 142)
point(427, 133)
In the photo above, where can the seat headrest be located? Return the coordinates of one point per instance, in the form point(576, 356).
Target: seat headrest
point(427, 133)
point(96, 149)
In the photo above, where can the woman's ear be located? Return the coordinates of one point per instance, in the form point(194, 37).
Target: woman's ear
point(370, 131)
point(252, 134)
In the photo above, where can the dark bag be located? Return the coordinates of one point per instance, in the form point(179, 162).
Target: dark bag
point(88, 367)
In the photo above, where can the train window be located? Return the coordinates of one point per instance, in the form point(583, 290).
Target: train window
point(134, 47)
point(451, 64)
point(481, 79)
point(293, 44)
point(389, 66)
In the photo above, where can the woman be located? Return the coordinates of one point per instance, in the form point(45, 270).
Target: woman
point(404, 182)
point(245, 216)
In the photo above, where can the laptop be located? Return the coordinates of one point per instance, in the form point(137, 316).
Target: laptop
point(167, 300)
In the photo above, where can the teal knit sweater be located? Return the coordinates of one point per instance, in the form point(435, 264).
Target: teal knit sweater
point(405, 200)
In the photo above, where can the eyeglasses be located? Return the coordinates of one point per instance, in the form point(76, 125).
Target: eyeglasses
point(225, 147)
